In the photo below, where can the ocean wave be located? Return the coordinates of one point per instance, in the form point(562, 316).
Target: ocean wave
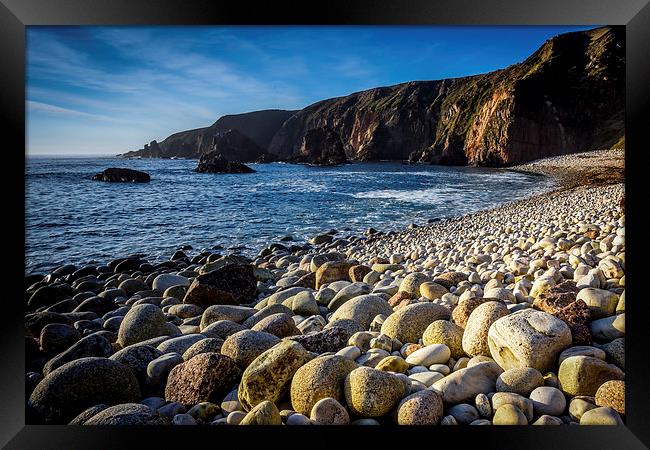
point(432, 196)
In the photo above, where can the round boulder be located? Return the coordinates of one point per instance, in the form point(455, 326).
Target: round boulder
point(371, 392)
point(528, 338)
point(408, 323)
point(77, 385)
point(320, 378)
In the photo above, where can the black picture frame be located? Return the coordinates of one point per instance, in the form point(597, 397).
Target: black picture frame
point(15, 15)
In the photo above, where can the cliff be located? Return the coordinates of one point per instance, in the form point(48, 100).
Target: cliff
point(258, 126)
point(567, 97)
point(321, 146)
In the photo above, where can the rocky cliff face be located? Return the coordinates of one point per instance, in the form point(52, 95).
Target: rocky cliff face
point(321, 146)
point(567, 97)
point(234, 146)
point(258, 126)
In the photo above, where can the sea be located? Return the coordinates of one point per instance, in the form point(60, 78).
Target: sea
point(72, 219)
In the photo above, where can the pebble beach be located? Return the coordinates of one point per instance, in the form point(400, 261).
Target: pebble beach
point(513, 315)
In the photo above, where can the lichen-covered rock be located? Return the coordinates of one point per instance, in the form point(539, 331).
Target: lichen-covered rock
point(612, 394)
point(421, 408)
point(207, 377)
point(528, 338)
point(332, 271)
point(408, 323)
point(412, 282)
point(269, 375)
point(320, 378)
point(328, 340)
point(371, 392)
point(475, 337)
point(445, 332)
point(264, 413)
point(462, 311)
point(583, 375)
point(77, 385)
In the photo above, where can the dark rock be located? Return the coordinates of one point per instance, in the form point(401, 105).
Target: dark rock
point(49, 295)
point(179, 254)
point(97, 305)
point(58, 337)
point(137, 358)
point(31, 381)
point(90, 346)
point(88, 270)
point(321, 146)
point(87, 414)
point(64, 306)
point(215, 163)
point(75, 386)
point(230, 285)
point(122, 175)
point(35, 322)
point(128, 414)
point(329, 340)
point(128, 265)
point(207, 377)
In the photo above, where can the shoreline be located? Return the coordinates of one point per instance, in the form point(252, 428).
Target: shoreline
point(512, 315)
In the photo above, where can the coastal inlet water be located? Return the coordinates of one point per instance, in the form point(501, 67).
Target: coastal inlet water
point(72, 219)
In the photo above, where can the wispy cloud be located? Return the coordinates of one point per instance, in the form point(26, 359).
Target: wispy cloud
point(38, 107)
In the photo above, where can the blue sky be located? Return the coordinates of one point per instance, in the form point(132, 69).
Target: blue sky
point(106, 90)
